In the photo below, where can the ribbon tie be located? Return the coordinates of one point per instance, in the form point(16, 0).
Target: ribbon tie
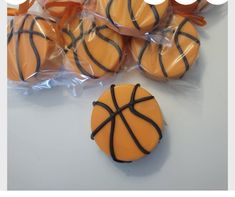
point(70, 11)
point(189, 11)
point(23, 8)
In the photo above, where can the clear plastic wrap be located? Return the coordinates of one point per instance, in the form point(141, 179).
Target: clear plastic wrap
point(92, 49)
point(41, 55)
point(34, 48)
point(173, 61)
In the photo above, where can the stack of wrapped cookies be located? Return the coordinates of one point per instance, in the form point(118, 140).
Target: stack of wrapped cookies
point(94, 38)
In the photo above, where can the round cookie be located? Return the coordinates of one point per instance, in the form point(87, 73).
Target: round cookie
point(30, 42)
point(126, 122)
point(92, 49)
point(131, 16)
point(169, 62)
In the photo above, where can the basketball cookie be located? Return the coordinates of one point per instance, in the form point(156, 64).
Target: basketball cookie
point(31, 41)
point(92, 49)
point(130, 16)
point(169, 62)
point(126, 122)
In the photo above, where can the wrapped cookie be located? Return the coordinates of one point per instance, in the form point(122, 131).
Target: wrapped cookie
point(129, 17)
point(173, 61)
point(32, 48)
point(92, 49)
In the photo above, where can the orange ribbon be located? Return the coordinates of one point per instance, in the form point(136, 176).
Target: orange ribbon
point(189, 11)
point(70, 11)
point(23, 8)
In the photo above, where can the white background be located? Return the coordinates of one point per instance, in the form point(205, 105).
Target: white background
point(48, 133)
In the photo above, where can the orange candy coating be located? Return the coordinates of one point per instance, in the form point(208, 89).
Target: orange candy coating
point(126, 122)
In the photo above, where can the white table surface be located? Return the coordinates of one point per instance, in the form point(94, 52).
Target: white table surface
point(49, 144)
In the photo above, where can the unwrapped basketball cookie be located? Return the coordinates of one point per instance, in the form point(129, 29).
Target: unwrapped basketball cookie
point(126, 122)
point(129, 17)
point(92, 49)
point(169, 62)
point(31, 42)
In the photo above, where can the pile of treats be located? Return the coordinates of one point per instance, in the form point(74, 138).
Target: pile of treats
point(94, 38)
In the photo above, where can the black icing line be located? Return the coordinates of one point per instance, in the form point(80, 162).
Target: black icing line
point(108, 14)
point(111, 42)
point(31, 33)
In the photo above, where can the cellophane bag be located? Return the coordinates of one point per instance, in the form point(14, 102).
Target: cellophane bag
point(92, 50)
point(83, 52)
point(34, 50)
point(174, 59)
point(168, 61)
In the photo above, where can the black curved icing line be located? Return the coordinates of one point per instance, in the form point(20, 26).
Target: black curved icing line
point(137, 143)
point(73, 39)
point(112, 131)
point(141, 54)
point(34, 33)
point(132, 16)
point(111, 42)
point(108, 14)
point(80, 67)
point(17, 49)
point(142, 51)
point(75, 52)
point(9, 36)
point(176, 39)
point(93, 59)
point(31, 33)
point(36, 53)
point(147, 119)
point(161, 61)
point(119, 110)
point(156, 15)
point(190, 37)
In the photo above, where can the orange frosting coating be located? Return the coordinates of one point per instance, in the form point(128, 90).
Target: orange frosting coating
point(133, 122)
